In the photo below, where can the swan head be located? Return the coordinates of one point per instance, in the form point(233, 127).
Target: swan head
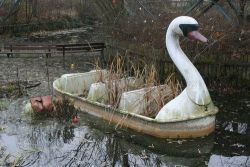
point(186, 26)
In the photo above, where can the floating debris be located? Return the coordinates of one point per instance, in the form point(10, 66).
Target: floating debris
point(236, 127)
point(16, 88)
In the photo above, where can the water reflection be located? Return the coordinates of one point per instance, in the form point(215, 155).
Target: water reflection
point(92, 142)
point(236, 161)
point(236, 127)
point(51, 142)
point(232, 126)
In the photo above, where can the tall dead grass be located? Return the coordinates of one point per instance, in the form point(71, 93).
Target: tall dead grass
point(145, 76)
point(157, 97)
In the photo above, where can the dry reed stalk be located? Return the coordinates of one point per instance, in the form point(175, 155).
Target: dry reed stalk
point(156, 98)
point(98, 67)
point(117, 82)
point(114, 89)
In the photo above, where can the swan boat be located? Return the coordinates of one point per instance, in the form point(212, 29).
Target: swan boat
point(191, 114)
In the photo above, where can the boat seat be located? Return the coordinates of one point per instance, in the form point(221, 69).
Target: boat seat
point(78, 83)
point(138, 101)
point(98, 92)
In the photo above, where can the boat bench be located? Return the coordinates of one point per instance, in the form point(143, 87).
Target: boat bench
point(87, 47)
point(10, 50)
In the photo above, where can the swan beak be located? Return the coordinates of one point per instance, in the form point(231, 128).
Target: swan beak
point(195, 35)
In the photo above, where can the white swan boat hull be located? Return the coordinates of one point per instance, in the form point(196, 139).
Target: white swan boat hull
point(70, 86)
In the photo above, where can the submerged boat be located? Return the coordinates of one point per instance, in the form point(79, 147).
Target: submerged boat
point(191, 114)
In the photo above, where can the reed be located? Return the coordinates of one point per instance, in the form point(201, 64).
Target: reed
point(145, 76)
point(117, 72)
point(156, 98)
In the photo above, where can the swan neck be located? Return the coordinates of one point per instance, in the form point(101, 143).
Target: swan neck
point(196, 87)
point(181, 61)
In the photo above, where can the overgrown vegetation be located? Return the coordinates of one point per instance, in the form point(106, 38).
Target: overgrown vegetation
point(225, 56)
point(23, 17)
point(125, 75)
point(17, 88)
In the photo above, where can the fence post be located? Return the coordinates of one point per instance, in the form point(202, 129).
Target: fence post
point(10, 54)
point(63, 56)
point(48, 54)
point(103, 60)
point(1, 47)
point(161, 66)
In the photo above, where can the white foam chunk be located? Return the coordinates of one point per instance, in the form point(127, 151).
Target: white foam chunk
point(137, 101)
point(99, 91)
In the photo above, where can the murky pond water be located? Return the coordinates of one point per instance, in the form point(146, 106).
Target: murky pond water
point(91, 142)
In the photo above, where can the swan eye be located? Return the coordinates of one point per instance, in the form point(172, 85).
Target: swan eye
point(186, 28)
